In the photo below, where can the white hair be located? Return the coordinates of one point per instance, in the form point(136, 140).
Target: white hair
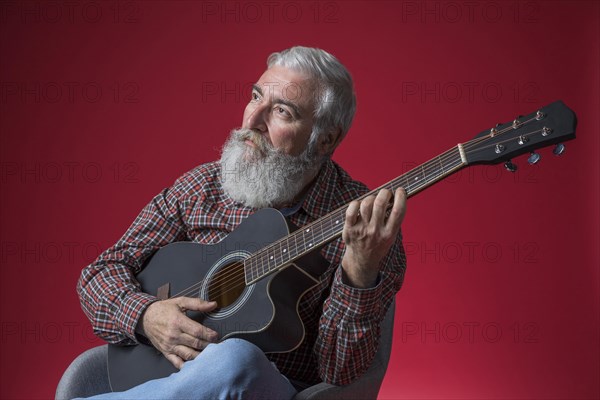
point(336, 101)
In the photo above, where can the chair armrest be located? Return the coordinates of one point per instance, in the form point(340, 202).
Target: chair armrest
point(319, 391)
point(364, 388)
point(86, 376)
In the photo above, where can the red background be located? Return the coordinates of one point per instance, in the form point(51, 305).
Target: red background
point(104, 104)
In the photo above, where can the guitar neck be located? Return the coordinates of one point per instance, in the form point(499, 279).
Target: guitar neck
point(329, 227)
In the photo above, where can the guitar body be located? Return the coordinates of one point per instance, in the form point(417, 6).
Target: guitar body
point(264, 313)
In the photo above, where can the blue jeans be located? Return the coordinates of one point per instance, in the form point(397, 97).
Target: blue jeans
point(232, 369)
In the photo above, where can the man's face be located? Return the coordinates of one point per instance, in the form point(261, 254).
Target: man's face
point(281, 110)
point(266, 162)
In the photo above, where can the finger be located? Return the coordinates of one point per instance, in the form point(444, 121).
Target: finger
point(195, 304)
point(175, 360)
point(185, 353)
point(197, 330)
point(380, 205)
point(194, 342)
point(351, 214)
point(398, 210)
point(366, 208)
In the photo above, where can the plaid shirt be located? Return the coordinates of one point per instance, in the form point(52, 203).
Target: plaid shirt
point(342, 322)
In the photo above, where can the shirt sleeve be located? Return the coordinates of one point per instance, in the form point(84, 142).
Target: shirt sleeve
point(110, 295)
point(349, 327)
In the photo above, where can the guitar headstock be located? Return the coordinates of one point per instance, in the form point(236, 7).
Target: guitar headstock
point(549, 125)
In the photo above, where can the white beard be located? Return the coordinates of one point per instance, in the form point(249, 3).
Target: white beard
point(263, 176)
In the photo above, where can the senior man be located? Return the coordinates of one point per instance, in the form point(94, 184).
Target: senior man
point(299, 111)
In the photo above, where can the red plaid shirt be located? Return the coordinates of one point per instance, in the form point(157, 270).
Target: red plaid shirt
point(342, 322)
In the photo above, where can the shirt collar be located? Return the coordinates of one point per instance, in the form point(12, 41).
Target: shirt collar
point(319, 198)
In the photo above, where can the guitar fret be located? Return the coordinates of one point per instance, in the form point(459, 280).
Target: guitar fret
point(282, 252)
point(265, 263)
point(259, 265)
point(290, 246)
point(317, 232)
point(303, 240)
point(270, 260)
point(299, 242)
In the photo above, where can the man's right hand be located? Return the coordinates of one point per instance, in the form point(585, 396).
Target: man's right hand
point(171, 331)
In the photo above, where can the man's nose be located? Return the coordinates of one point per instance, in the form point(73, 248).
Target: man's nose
point(257, 118)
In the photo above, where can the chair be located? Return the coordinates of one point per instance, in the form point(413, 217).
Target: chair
point(87, 375)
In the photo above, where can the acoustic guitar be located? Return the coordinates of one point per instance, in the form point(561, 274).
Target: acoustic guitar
point(260, 271)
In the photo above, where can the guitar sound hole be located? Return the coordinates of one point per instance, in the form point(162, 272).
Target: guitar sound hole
point(227, 284)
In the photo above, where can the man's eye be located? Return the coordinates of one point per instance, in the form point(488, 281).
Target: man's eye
point(254, 96)
point(282, 111)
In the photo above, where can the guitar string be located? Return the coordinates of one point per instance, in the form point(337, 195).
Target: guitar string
point(235, 278)
point(260, 258)
point(257, 256)
point(234, 270)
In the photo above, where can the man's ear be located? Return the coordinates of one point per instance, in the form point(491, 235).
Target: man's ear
point(330, 141)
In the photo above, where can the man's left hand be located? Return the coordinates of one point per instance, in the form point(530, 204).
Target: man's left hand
point(369, 235)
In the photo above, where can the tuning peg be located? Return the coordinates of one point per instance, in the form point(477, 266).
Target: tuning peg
point(510, 166)
point(533, 158)
point(516, 124)
point(559, 149)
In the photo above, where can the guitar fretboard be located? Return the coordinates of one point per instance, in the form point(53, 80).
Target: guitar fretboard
point(329, 227)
